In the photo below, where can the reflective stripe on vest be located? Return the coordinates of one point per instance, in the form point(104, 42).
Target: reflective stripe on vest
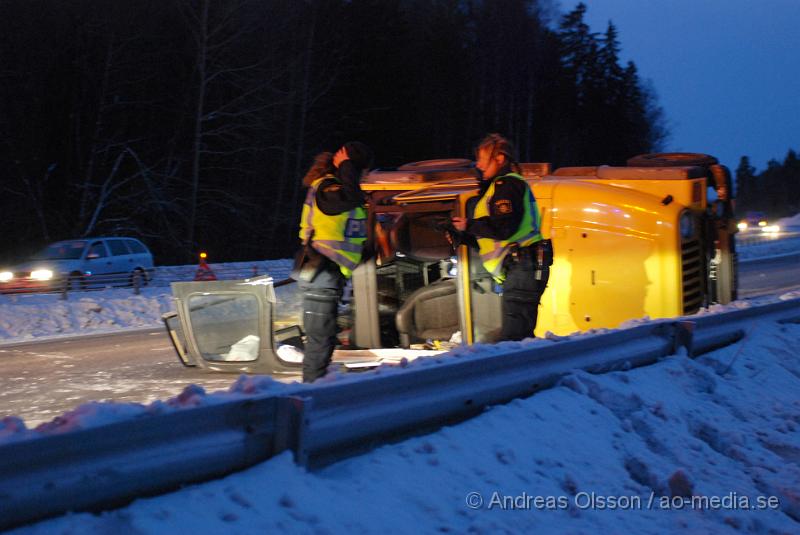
point(339, 237)
point(493, 252)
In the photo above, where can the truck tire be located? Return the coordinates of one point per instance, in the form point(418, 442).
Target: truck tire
point(672, 159)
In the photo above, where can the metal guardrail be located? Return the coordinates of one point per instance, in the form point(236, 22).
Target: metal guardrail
point(343, 417)
point(159, 277)
point(110, 465)
point(65, 285)
point(107, 466)
point(757, 237)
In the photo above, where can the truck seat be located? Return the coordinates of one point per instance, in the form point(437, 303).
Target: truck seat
point(430, 312)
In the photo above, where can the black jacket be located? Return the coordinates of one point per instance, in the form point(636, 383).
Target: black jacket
point(506, 208)
point(341, 194)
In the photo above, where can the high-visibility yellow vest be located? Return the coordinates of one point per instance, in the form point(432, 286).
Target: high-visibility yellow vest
point(493, 252)
point(339, 237)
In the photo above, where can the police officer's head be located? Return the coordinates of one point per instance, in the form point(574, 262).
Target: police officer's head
point(322, 165)
point(360, 154)
point(493, 154)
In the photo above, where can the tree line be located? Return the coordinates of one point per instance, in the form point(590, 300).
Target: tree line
point(188, 123)
point(774, 191)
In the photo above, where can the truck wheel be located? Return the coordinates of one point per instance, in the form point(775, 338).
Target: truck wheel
point(672, 159)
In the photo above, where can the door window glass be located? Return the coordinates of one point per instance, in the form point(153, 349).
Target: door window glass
point(226, 327)
point(97, 250)
point(136, 247)
point(118, 247)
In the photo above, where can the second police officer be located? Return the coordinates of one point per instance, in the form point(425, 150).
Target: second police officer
point(506, 225)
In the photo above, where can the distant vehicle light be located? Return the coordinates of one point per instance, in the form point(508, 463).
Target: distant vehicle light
point(6, 276)
point(742, 225)
point(771, 229)
point(762, 224)
point(42, 275)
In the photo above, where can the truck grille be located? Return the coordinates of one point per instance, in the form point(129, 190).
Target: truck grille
point(692, 274)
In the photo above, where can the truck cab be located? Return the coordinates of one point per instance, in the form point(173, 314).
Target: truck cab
point(629, 242)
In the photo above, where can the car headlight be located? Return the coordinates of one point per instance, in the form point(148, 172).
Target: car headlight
point(686, 224)
point(6, 276)
point(42, 275)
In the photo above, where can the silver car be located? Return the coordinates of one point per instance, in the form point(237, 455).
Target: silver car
point(82, 263)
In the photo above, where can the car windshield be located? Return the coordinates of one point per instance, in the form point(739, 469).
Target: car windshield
point(65, 250)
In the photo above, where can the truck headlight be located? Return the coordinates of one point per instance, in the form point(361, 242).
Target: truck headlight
point(686, 224)
point(6, 276)
point(42, 275)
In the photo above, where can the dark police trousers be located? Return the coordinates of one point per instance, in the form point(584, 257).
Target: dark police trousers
point(522, 292)
point(320, 305)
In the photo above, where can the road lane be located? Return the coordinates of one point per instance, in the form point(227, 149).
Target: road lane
point(41, 380)
point(774, 275)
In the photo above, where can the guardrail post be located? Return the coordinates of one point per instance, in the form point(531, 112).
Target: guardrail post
point(137, 283)
point(64, 289)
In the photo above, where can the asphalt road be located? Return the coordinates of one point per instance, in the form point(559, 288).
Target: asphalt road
point(769, 276)
point(42, 380)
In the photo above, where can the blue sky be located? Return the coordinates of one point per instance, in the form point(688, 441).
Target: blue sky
point(726, 72)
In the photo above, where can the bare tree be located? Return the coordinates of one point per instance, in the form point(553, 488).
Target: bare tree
point(227, 94)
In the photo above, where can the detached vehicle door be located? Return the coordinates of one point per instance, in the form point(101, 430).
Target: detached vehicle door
point(229, 326)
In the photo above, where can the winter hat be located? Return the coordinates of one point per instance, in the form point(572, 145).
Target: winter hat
point(360, 154)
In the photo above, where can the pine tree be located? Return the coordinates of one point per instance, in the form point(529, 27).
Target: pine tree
point(745, 185)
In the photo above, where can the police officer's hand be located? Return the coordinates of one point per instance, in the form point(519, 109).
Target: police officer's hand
point(340, 156)
point(460, 223)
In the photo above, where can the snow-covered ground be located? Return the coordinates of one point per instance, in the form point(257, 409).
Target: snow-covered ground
point(36, 316)
point(710, 445)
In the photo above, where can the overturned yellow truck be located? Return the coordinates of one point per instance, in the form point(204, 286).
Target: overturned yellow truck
point(652, 239)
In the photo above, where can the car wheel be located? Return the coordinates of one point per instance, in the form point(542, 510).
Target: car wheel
point(672, 159)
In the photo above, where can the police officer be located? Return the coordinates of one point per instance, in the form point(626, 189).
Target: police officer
point(333, 231)
point(505, 223)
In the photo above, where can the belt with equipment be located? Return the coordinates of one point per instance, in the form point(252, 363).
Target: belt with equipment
point(540, 254)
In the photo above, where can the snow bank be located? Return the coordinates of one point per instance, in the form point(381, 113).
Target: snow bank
point(31, 316)
point(681, 446)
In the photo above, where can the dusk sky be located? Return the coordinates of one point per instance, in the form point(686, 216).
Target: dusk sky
point(726, 72)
